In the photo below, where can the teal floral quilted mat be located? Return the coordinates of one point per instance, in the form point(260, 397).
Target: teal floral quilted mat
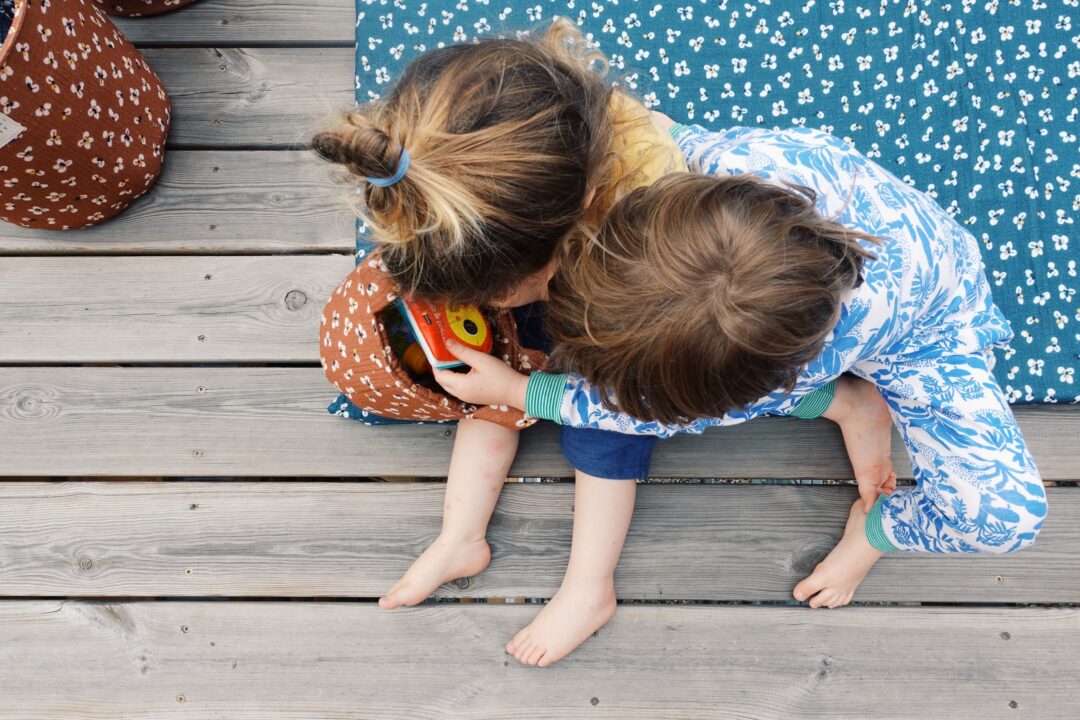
point(973, 102)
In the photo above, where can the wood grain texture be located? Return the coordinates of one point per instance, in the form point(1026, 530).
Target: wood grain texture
point(278, 661)
point(237, 22)
point(252, 98)
point(165, 309)
point(217, 202)
point(272, 422)
point(687, 542)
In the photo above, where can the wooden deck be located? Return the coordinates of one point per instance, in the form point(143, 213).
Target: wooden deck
point(186, 534)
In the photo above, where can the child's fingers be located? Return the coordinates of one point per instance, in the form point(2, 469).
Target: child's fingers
point(889, 486)
point(464, 353)
point(448, 380)
point(868, 494)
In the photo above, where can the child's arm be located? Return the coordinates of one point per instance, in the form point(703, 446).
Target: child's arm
point(864, 419)
point(572, 400)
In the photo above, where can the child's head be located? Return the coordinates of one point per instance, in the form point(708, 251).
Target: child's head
point(701, 294)
point(506, 139)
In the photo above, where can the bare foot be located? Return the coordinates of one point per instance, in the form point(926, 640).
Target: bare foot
point(577, 611)
point(834, 580)
point(444, 560)
point(865, 421)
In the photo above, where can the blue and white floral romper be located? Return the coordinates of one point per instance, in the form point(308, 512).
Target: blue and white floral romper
point(921, 328)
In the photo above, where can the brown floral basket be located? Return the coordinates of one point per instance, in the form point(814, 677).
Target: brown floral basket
point(141, 8)
point(356, 354)
point(83, 118)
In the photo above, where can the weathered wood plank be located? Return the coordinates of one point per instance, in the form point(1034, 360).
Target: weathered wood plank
point(237, 22)
point(253, 98)
point(687, 542)
point(271, 661)
point(217, 202)
point(271, 422)
point(165, 309)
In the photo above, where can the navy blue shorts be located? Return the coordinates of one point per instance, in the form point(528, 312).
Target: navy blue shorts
point(607, 454)
point(599, 453)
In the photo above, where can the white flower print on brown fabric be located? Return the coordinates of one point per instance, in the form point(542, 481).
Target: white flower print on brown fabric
point(70, 84)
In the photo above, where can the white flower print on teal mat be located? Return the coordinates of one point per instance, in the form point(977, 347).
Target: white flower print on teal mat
point(974, 102)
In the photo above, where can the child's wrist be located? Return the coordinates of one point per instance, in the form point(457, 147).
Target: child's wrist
point(840, 406)
point(518, 391)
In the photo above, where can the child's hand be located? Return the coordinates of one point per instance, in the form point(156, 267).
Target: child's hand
point(864, 419)
point(489, 382)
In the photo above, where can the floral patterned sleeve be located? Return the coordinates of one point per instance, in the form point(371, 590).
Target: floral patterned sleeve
point(581, 406)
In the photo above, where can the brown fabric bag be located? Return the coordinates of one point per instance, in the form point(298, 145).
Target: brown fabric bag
point(84, 118)
point(141, 8)
point(357, 358)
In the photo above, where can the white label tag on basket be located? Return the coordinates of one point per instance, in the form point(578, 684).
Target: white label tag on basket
point(9, 130)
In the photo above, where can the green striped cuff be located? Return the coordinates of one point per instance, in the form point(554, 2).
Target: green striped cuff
point(813, 405)
point(543, 396)
point(875, 532)
point(675, 129)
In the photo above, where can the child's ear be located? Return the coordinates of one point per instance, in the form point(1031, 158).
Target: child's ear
point(549, 270)
point(590, 194)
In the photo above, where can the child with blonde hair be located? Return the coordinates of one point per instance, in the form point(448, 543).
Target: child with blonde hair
point(483, 162)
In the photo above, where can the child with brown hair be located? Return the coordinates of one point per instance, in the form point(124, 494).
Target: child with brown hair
point(711, 299)
point(479, 166)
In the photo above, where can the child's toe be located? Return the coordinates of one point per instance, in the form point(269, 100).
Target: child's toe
point(534, 655)
point(810, 585)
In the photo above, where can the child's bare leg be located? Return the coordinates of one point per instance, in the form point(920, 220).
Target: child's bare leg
point(586, 599)
point(835, 578)
point(482, 455)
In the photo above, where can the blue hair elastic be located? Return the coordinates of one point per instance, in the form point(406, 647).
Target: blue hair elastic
point(402, 168)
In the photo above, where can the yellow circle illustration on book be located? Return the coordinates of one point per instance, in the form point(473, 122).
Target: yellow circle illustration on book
point(467, 324)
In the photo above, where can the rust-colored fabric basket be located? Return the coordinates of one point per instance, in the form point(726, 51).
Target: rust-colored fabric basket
point(357, 358)
point(84, 118)
point(141, 8)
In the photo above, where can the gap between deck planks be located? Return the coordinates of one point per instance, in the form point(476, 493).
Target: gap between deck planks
point(205, 421)
point(309, 539)
point(291, 661)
